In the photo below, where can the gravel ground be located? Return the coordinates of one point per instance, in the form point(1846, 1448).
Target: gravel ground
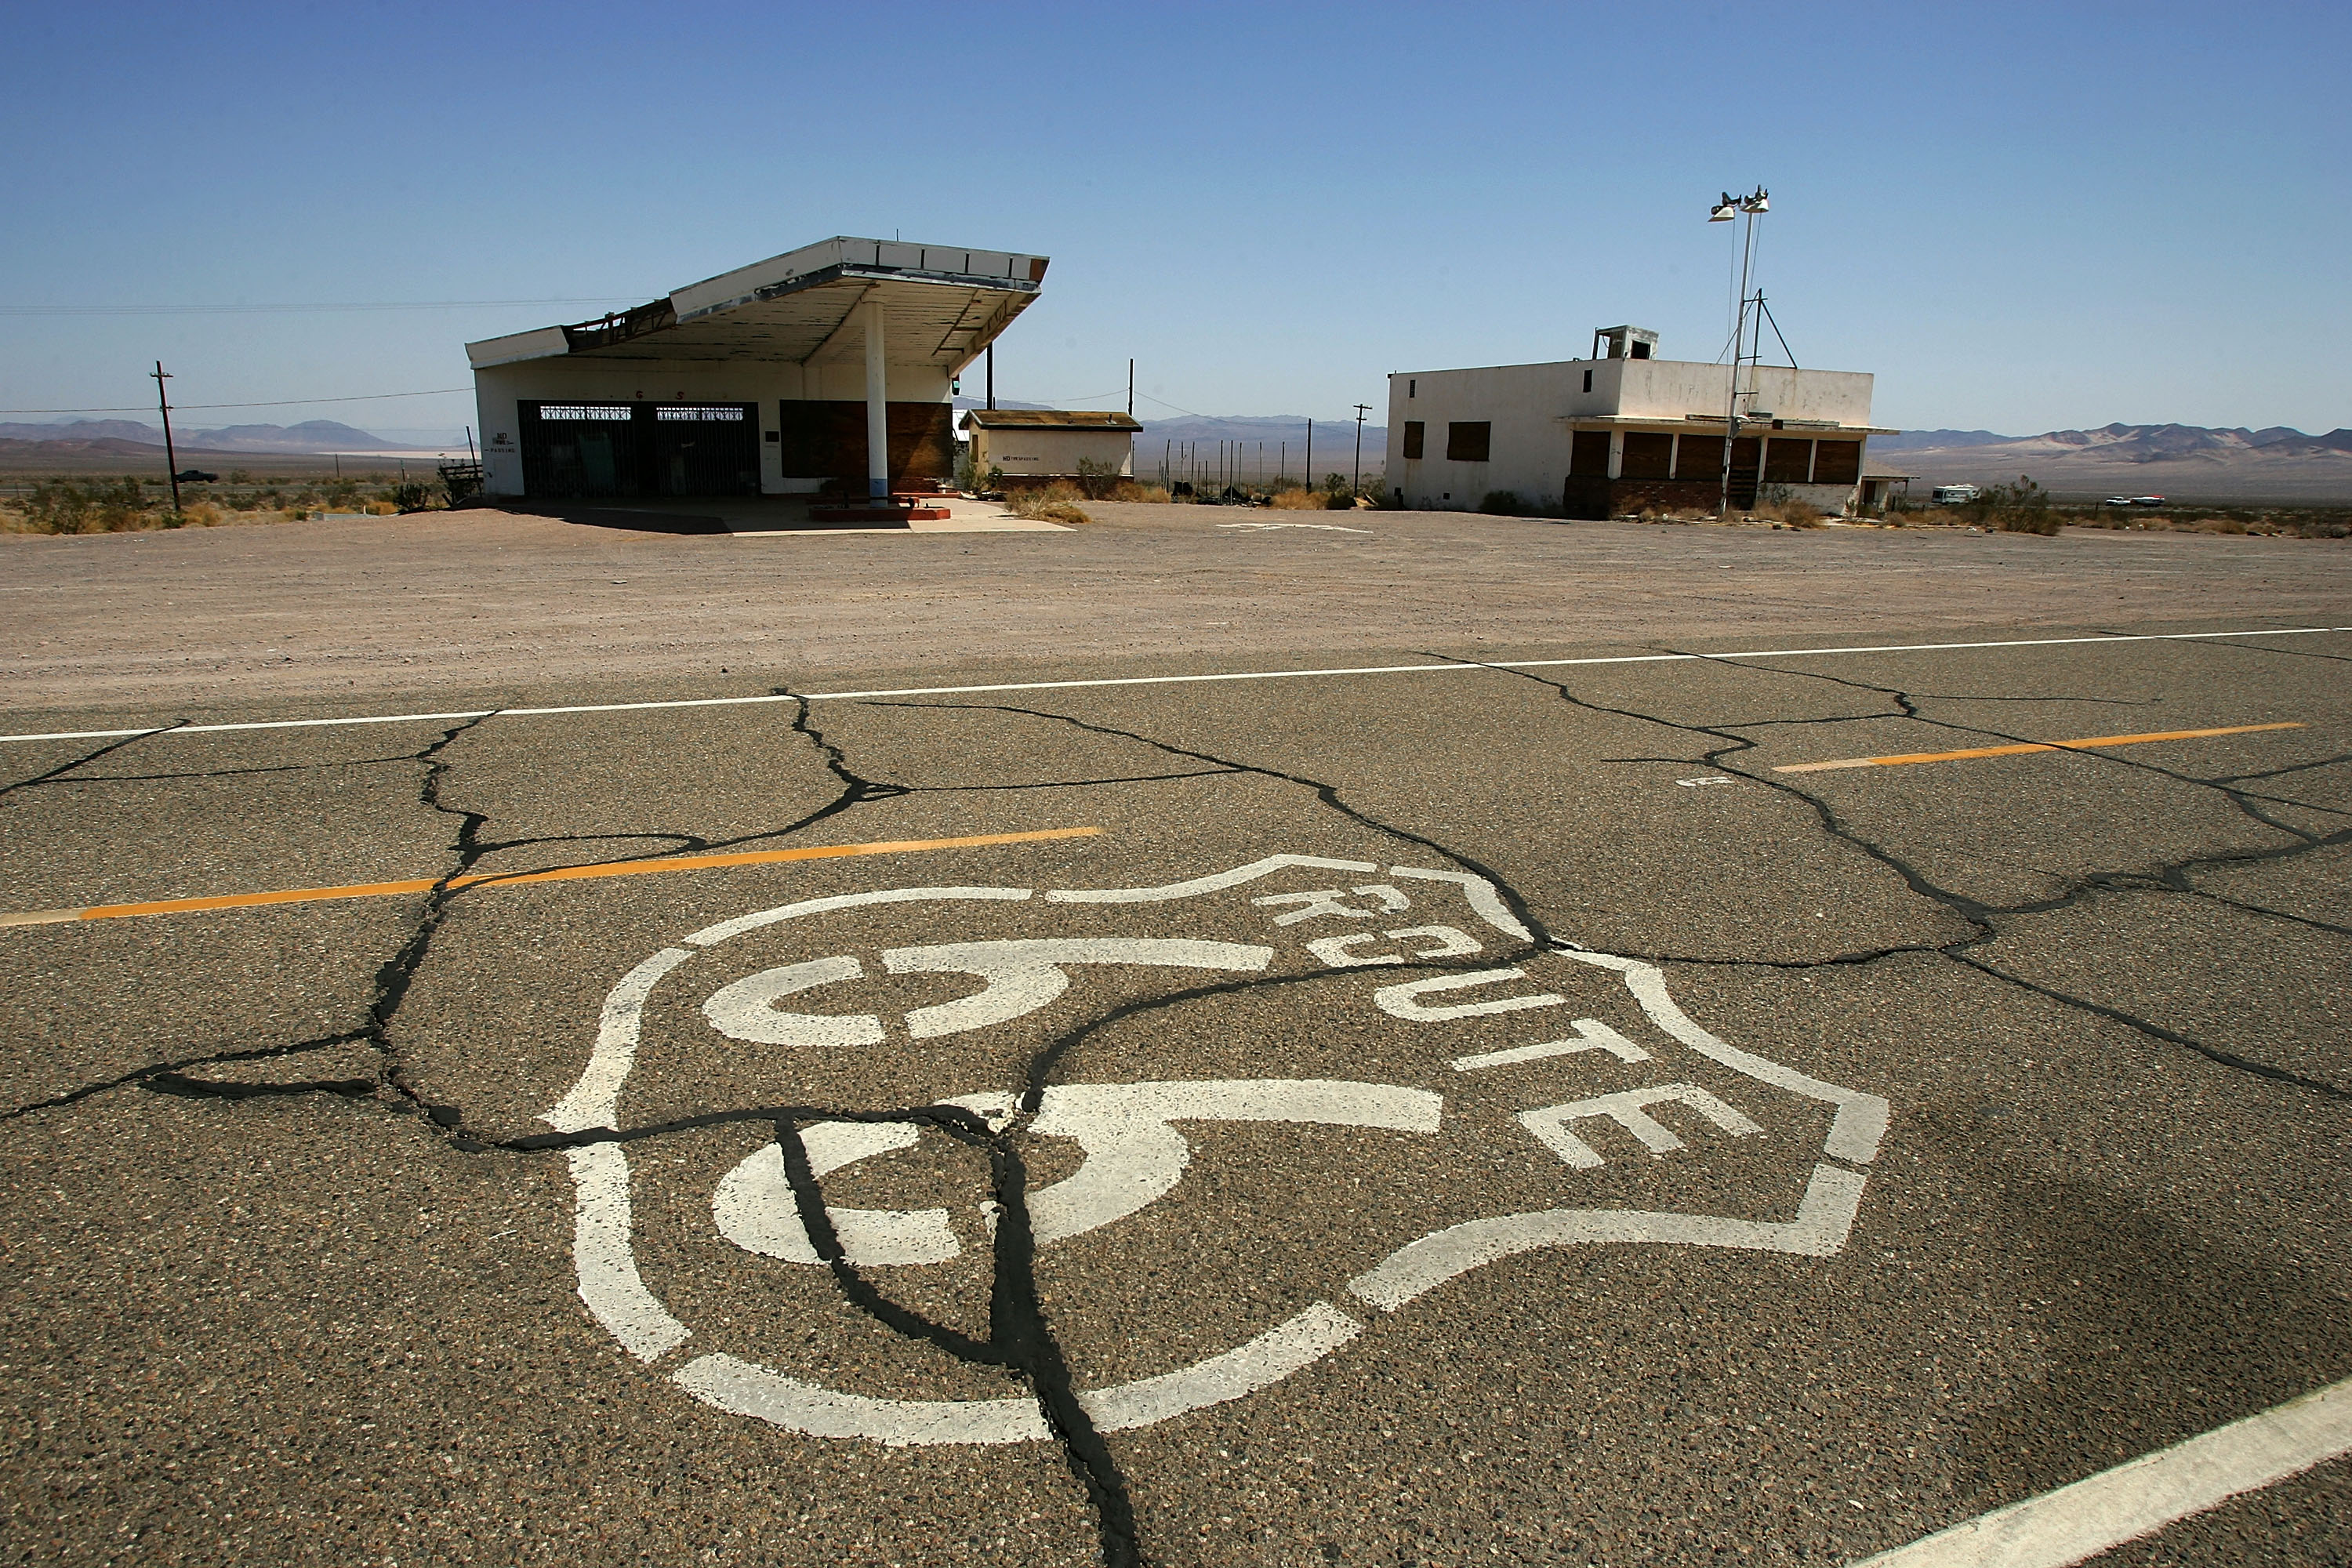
point(512, 605)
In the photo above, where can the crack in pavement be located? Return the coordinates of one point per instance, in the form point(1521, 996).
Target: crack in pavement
point(88, 757)
point(2172, 877)
point(178, 1066)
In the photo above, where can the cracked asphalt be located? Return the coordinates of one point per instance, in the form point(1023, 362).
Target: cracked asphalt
point(1450, 1115)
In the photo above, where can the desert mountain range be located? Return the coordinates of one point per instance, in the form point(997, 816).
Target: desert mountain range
point(311, 436)
point(2189, 462)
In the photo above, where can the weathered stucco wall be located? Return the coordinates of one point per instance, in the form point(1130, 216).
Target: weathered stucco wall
point(1020, 451)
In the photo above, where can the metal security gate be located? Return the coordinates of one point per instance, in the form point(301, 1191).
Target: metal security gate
point(595, 450)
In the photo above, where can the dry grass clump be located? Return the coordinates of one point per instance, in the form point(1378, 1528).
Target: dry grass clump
point(1301, 500)
point(1792, 513)
point(1057, 502)
point(1131, 491)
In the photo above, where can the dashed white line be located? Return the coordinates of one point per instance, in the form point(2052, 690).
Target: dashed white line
point(1457, 666)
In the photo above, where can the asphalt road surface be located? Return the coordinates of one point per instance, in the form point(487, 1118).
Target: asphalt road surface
point(1471, 1104)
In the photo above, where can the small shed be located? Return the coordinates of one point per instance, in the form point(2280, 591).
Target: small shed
point(1023, 447)
point(1879, 487)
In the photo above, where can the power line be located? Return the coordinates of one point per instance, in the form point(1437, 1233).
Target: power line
point(262, 309)
point(278, 403)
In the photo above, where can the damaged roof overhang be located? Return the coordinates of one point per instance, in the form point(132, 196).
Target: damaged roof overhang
point(931, 316)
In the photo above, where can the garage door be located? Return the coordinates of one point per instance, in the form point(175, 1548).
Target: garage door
point(607, 449)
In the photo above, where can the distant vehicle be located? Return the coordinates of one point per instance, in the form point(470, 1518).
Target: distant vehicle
point(2117, 501)
point(196, 477)
point(1953, 495)
point(2147, 500)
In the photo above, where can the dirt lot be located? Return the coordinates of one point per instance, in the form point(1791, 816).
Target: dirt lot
point(506, 606)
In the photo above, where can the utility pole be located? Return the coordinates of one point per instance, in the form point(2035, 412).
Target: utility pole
point(163, 405)
point(1361, 410)
point(1309, 480)
point(992, 377)
point(1282, 465)
point(1131, 389)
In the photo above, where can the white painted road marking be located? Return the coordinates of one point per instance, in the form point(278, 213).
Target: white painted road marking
point(1629, 1109)
point(1133, 1152)
point(1456, 667)
point(2140, 1498)
point(1592, 1034)
point(1329, 527)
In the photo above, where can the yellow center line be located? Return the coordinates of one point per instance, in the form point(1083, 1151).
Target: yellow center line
point(557, 874)
point(2029, 746)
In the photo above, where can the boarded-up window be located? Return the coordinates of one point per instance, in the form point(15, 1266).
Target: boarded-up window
point(1413, 429)
point(1648, 456)
point(827, 441)
point(1587, 454)
point(1699, 457)
point(1788, 462)
point(1837, 463)
point(1468, 440)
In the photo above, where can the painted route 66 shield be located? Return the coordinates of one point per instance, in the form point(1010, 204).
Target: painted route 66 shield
point(1257, 1110)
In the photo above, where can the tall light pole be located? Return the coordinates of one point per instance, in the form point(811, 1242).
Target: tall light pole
point(1725, 211)
point(1361, 410)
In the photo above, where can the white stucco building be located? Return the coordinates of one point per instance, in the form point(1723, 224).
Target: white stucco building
point(1614, 433)
point(830, 367)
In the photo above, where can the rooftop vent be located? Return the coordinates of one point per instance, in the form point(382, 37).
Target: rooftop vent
point(1625, 342)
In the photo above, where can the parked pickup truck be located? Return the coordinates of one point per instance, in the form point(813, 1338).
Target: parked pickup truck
point(1954, 495)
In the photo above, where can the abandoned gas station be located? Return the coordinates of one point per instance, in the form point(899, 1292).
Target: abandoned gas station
point(827, 370)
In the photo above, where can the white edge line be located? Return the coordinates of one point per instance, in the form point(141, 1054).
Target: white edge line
point(1155, 681)
point(2143, 1494)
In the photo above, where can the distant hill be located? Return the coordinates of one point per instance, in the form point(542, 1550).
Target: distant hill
point(311, 436)
point(1908, 439)
point(2189, 461)
point(84, 430)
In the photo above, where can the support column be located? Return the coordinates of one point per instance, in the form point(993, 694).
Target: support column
point(877, 406)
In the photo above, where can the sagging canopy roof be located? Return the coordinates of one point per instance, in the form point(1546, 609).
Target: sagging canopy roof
point(1048, 419)
point(943, 305)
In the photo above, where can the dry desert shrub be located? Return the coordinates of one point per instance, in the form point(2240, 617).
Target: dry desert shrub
point(1057, 502)
point(1791, 513)
point(1130, 491)
point(1300, 501)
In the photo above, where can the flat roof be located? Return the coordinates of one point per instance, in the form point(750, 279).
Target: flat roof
point(944, 304)
point(1048, 419)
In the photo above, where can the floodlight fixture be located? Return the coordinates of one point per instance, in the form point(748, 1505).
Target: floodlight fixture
point(1761, 202)
point(1725, 210)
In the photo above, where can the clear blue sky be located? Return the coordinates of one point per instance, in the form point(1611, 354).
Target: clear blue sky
point(2020, 216)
